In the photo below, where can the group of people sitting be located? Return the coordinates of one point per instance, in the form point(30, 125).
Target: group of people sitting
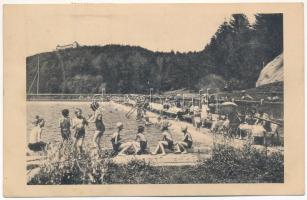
point(139, 146)
point(78, 125)
point(255, 126)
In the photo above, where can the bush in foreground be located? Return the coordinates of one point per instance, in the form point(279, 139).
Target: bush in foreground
point(227, 165)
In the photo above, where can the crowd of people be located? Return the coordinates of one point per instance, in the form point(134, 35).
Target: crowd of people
point(77, 125)
point(251, 124)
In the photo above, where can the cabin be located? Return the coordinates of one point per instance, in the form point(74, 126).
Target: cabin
point(68, 46)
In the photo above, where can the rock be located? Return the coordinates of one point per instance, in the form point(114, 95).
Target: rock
point(272, 72)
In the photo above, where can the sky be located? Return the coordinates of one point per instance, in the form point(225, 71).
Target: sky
point(165, 28)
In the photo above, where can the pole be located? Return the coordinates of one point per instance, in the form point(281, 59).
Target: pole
point(102, 93)
point(150, 90)
point(199, 99)
point(208, 97)
point(37, 85)
point(217, 104)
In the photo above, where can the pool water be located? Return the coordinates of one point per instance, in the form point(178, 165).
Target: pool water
point(51, 112)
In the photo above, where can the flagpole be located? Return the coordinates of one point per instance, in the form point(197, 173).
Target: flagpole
point(37, 86)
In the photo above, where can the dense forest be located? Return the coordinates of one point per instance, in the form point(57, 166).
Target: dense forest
point(234, 58)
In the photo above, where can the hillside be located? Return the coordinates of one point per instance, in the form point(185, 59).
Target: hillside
point(234, 57)
point(120, 69)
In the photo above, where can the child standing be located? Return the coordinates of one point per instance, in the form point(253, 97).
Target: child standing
point(79, 123)
point(116, 139)
point(65, 123)
point(100, 127)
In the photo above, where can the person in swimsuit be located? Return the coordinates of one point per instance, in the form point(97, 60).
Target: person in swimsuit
point(197, 117)
point(167, 140)
point(139, 146)
point(65, 123)
point(35, 141)
point(141, 141)
point(100, 127)
point(116, 139)
point(186, 143)
point(79, 124)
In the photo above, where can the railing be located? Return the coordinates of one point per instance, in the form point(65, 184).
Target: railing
point(274, 109)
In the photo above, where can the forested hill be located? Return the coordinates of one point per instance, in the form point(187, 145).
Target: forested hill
point(234, 57)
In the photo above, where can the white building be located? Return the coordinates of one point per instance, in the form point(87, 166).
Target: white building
point(68, 46)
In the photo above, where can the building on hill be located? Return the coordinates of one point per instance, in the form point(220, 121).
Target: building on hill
point(68, 46)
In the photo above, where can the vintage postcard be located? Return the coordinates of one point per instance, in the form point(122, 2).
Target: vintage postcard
point(153, 99)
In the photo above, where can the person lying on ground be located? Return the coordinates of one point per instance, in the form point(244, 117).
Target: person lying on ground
point(167, 140)
point(100, 127)
point(79, 124)
point(35, 141)
point(186, 143)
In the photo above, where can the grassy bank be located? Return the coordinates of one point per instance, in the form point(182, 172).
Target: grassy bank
point(227, 165)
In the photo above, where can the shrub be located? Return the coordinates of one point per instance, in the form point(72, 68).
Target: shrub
point(227, 165)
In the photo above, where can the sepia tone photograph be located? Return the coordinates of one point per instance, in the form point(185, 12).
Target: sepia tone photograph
point(136, 95)
point(114, 113)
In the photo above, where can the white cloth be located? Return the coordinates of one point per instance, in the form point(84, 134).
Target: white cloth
point(258, 131)
point(35, 135)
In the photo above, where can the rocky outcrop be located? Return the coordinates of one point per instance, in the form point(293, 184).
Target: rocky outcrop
point(272, 72)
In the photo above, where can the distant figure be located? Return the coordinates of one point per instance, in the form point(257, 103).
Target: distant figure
point(275, 98)
point(158, 123)
point(167, 140)
point(35, 141)
point(197, 117)
point(186, 143)
point(266, 123)
point(65, 123)
point(246, 96)
point(166, 104)
point(79, 124)
point(205, 114)
point(100, 127)
point(224, 129)
point(140, 111)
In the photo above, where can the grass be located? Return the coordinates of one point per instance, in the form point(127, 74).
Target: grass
point(227, 165)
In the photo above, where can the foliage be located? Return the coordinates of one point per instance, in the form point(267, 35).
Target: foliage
point(237, 52)
point(227, 165)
